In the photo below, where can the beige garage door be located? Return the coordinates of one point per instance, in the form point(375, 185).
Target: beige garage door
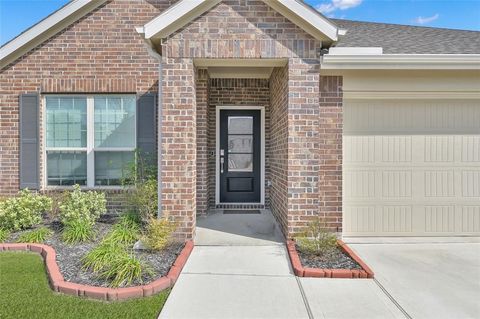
point(411, 168)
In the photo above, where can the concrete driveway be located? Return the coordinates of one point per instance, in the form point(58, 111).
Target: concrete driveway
point(428, 280)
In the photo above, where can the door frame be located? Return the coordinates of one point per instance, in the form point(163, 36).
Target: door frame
point(217, 151)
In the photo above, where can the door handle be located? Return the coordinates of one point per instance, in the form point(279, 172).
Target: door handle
point(222, 160)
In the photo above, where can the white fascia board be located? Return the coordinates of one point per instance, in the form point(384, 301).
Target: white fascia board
point(402, 61)
point(308, 15)
point(355, 51)
point(176, 17)
point(66, 13)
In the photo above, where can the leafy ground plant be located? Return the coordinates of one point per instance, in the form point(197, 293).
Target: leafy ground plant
point(317, 239)
point(77, 231)
point(126, 232)
point(38, 235)
point(158, 233)
point(23, 211)
point(124, 270)
point(100, 258)
point(4, 235)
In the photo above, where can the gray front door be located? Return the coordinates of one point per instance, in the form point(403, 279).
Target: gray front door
point(240, 156)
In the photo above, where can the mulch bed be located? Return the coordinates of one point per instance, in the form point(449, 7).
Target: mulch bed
point(69, 256)
point(335, 259)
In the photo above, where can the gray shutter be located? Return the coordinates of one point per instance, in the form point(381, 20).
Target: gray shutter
point(146, 125)
point(29, 135)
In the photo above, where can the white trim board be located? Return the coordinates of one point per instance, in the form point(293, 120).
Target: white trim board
point(217, 151)
point(401, 62)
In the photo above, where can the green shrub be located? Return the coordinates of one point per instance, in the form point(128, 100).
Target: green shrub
point(125, 232)
point(103, 256)
point(142, 174)
point(4, 235)
point(124, 270)
point(38, 235)
point(317, 239)
point(158, 233)
point(77, 231)
point(24, 211)
point(82, 205)
point(131, 216)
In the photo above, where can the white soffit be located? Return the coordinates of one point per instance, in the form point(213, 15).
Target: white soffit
point(45, 29)
point(185, 11)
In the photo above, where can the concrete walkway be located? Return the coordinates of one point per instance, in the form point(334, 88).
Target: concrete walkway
point(246, 273)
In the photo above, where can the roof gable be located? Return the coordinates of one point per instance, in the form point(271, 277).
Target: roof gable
point(185, 11)
point(46, 28)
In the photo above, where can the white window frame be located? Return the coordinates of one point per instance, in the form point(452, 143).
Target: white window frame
point(90, 149)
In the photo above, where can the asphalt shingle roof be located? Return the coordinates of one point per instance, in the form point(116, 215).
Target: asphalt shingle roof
point(403, 39)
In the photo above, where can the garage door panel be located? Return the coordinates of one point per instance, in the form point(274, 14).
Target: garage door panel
point(411, 168)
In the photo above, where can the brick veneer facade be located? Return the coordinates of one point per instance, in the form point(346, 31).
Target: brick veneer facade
point(103, 53)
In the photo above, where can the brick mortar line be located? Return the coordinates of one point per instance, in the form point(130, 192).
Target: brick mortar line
point(58, 283)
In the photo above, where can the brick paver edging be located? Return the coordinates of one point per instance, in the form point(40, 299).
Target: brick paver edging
point(102, 293)
point(301, 271)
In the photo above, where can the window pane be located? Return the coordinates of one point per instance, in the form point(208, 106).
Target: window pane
point(240, 163)
point(114, 121)
point(112, 167)
point(66, 168)
point(240, 143)
point(66, 121)
point(240, 125)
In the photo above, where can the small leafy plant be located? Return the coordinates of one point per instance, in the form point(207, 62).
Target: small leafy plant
point(39, 235)
point(23, 211)
point(100, 258)
point(125, 232)
point(124, 269)
point(317, 239)
point(82, 205)
point(77, 231)
point(4, 235)
point(158, 233)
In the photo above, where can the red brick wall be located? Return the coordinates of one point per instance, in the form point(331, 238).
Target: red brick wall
point(330, 148)
point(203, 122)
point(279, 145)
point(303, 146)
point(179, 138)
point(241, 29)
point(100, 53)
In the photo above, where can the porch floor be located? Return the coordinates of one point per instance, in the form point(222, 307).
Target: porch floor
point(219, 229)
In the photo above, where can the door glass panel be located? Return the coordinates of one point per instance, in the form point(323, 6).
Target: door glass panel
point(240, 162)
point(240, 125)
point(240, 143)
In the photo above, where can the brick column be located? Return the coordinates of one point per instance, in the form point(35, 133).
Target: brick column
point(179, 145)
point(303, 130)
point(202, 141)
point(330, 148)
